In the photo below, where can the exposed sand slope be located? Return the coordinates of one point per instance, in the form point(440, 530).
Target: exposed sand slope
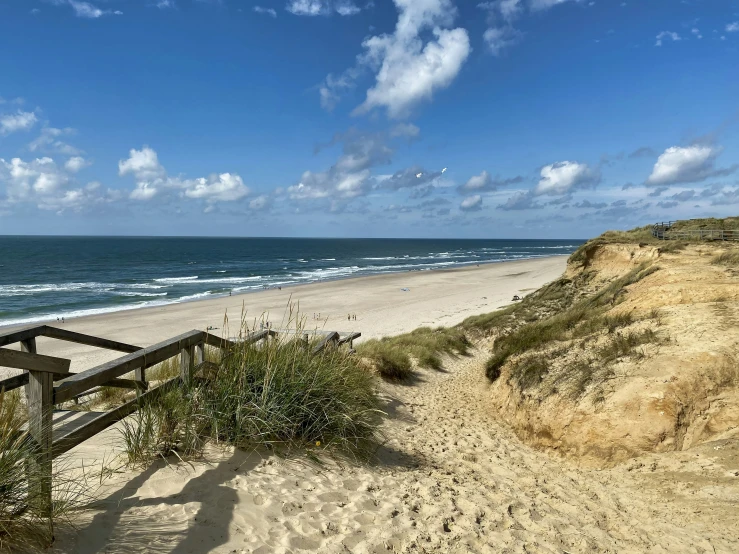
point(452, 480)
point(675, 391)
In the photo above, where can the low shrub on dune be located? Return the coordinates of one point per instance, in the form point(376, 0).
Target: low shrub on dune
point(270, 393)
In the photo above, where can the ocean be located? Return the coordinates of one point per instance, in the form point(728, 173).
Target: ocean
point(42, 278)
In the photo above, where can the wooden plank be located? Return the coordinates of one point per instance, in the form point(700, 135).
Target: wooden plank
point(331, 337)
point(14, 382)
point(37, 362)
point(23, 334)
point(80, 338)
point(70, 440)
point(351, 337)
point(218, 342)
point(126, 384)
point(40, 413)
point(144, 358)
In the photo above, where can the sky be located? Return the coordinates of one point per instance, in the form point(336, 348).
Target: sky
point(366, 118)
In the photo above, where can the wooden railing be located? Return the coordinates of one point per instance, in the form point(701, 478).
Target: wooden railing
point(664, 231)
point(41, 373)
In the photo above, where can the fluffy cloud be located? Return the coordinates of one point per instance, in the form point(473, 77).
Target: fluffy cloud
point(75, 164)
point(259, 203)
point(44, 183)
point(564, 177)
point(664, 35)
point(484, 182)
point(18, 121)
point(471, 203)
point(151, 179)
point(225, 187)
point(686, 164)
point(733, 27)
point(143, 165)
point(265, 11)
point(408, 67)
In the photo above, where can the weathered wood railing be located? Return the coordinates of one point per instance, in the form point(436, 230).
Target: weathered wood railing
point(41, 372)
point(664, 231)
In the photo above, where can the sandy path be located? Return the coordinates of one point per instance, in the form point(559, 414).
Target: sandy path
point(451, 480)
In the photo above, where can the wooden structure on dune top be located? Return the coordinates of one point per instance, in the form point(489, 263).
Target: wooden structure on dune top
point(49, 383)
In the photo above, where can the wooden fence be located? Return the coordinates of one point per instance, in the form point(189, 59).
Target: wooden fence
point(48, 383)
point(664, 231)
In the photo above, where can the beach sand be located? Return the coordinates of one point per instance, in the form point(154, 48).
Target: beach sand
point(441, 297)
point(449, 478)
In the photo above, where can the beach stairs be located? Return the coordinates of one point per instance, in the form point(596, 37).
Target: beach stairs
point(49, 383)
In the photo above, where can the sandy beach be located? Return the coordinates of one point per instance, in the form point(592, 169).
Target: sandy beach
point(441, 297)
point(450, 477)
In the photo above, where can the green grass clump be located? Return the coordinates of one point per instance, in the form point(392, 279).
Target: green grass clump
point(26, 520)
point(390, 361)
point(730, 259)
point(270, 393)
point(391, 356)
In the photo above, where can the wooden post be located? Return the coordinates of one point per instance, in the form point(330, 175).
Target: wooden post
point(28, 345)
point(40, 414)
point(187, 356)
point(199, 353)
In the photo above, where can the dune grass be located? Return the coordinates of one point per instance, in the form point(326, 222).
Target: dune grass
point(24, 522)
point(393, 357)
point(729, 258)
point(273, 393)
point(583, 317)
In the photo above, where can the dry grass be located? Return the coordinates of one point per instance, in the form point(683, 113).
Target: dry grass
point(729, 259)
point(392, 356)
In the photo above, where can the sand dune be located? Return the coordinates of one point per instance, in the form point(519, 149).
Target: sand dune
point(450, 479)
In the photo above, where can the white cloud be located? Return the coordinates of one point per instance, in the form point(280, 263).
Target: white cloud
point(666, 34)
point(314, 8)
point(151, 179)
point(409, 69)
point(307, 7)
point(564, 177)
point(471, 203)
point(733, 27)
point(41, 176)
point(19, 121)
point(164, 4)
point(225, 187)
point(87, 10)
point(407, 130)
point(478, 182)
point(48, 141)
point(143, 164)
point(499, 38)
point(75, 164)
point(686, 164)
point(696, 33)
point(347, 8)
point(265, 11)
point(545, 4)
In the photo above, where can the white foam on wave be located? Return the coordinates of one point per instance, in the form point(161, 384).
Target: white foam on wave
point(176, 279)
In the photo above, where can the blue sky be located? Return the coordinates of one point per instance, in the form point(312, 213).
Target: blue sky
point(373, 118)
